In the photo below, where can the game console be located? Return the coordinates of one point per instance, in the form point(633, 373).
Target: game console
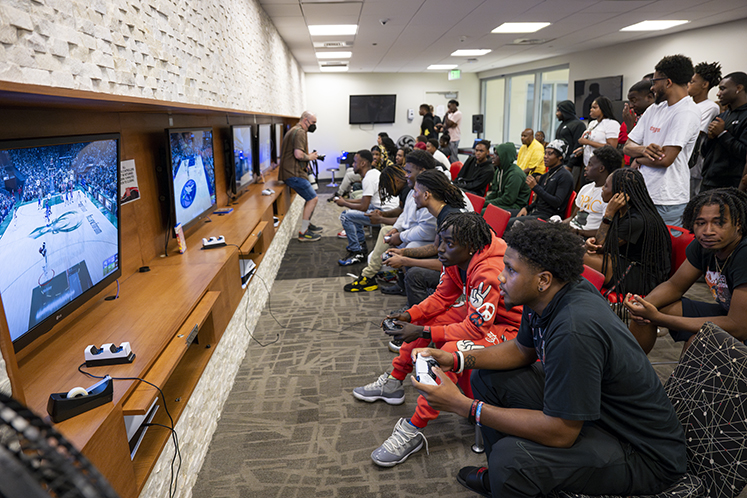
point(213, 242)
point(424, 370)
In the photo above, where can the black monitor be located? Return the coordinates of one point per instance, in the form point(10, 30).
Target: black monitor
point(191, 174)
point(59, 228)
point(264, 147)
point(372, 109)
point(240, 164)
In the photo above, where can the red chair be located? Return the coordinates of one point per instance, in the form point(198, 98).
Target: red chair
point(477, 201)
point(569, 207)
point(679, 245)
point(456, 167)
point(593, 276)
point(497, 218)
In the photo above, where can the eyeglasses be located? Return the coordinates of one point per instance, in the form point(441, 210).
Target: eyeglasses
point(659, 79)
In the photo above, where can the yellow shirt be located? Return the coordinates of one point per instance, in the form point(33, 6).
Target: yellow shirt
point(532, 159)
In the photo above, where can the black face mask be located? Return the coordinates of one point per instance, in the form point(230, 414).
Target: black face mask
point(312, 128)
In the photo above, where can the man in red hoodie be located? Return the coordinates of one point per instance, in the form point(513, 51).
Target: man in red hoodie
point(466, 312)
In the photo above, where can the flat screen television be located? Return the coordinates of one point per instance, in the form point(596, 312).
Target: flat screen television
point(278, 141)
point(59, 228)
point(372, 109)
point(191, 174)
point(264, 147)
point(240, 164)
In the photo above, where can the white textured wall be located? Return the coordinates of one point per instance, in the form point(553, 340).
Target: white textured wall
point(224, 54)
point(200, 418)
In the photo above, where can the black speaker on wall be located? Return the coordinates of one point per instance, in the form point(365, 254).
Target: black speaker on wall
point(477, 123)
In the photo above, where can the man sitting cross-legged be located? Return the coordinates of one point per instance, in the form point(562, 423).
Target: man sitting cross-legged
point(414, 227)
point(472, 258)
point(591, 416)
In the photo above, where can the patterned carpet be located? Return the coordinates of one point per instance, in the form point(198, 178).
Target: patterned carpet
point(291, 428)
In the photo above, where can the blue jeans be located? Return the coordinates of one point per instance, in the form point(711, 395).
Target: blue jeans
point(353, 222)
point(302, 186)
point(671, 214)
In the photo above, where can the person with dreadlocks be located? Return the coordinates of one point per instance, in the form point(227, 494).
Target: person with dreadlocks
point(472, 259)
point(572, 403)
point(412, 228)
point(632, 247)
point(719, 252)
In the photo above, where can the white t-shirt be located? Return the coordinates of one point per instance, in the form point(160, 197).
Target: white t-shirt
point(370, 184)
point(591, 208)
point(600, 132)
point(441, 158)
point(675, 126)
point(455, 133)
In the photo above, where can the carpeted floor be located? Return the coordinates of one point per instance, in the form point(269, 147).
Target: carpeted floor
point(291, 428)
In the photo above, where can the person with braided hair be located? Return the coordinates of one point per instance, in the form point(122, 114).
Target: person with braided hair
point(472, 259)
point(632, 247)
point(719, 252)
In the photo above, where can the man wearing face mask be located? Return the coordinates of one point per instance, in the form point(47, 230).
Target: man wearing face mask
point(294, 161)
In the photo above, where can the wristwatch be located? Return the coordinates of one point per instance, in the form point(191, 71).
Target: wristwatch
point(426, 333)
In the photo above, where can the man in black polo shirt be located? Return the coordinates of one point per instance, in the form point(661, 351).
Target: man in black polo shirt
point(591, 416)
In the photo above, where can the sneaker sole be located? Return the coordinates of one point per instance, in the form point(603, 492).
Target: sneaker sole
point(393, 348)
point(371, 399)
point(302, 239)
point(363, 289)
point(392, 464)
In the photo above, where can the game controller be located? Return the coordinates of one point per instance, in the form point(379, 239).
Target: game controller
point(389, 326)
point(386, 256)
point(387, 238)
point(424, 370)
point(268, 191)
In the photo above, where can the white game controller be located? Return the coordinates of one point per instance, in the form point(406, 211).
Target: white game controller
point(423, 370)
point(268, 191)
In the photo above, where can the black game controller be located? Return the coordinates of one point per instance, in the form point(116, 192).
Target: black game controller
point(386, 256)
point(389, 326)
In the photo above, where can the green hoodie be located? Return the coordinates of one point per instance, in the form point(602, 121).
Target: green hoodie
point(509, 189)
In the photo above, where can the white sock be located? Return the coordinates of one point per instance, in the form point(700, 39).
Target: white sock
point(304, 225)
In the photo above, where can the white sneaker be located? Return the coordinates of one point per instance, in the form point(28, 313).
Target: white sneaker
point(404, 441)
point(342, 234)
point(383, 388)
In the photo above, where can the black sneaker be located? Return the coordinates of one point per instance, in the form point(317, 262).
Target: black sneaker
point(395, 344)
point(315, 229)
point(362, 284)
point(352, 258)
point(308, 236)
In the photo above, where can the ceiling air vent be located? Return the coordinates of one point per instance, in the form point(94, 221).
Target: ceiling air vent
point(529, 41)
point(333, 64)
point(333, 44)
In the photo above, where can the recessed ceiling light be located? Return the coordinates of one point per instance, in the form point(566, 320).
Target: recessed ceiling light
point(520, 27)
point(333, 69)
point(442, 67)
point(477, 52)
point(333, 29)
point(334, 55)
point(653, 25)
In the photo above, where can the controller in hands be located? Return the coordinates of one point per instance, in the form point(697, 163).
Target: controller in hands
point(389, 326)
point(424, 370)
point(386, 256)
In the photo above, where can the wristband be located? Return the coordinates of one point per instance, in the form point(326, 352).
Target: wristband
point(458, 362)
point(472, 410)
point(426, 333)
point(606, 220)
point(477, 413)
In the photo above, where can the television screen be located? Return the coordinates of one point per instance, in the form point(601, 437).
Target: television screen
point(192, 174)
point(585, 91)
point(243, 156)
point(265, 147)
point(59, 228)
point(367, 109)
point(278, 141)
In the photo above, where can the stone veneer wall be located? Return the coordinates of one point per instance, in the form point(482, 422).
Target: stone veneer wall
point(200, 417)
point(225, 54)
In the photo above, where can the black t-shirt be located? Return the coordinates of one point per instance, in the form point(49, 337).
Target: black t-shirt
point(403, 196)
point(630, 229)
point(445, 211)
point(596, 372)
point(734, 270)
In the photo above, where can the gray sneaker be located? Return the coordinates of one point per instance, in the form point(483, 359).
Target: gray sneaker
point(384, 388)
point(404, 441)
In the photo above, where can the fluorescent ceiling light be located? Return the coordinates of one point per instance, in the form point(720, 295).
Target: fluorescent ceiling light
point(442, 67)
point(333, 29)
point(334, 55)
point(477, 52)
point(520, 27)
point(653, 25)
point(333, 69)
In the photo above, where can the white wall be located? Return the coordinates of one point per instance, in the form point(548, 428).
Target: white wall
point(720, 43)
point(328, 95)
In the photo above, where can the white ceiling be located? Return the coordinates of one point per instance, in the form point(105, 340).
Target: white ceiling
point(419, 33)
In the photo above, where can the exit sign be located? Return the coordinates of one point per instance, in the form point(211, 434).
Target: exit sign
point(455, 74)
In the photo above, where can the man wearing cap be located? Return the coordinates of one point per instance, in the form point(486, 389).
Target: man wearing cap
point(552, 190)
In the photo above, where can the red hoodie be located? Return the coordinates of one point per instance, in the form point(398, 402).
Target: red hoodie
point(486, 317)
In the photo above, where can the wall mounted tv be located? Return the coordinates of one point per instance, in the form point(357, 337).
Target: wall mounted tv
point(278, 141)
point(372, 109)
point(59, 228)
point(240, 164)
point(191, 174)
point(264, 147)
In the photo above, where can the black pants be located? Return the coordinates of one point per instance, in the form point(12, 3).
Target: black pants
point(597, 464)
point(420, 283)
